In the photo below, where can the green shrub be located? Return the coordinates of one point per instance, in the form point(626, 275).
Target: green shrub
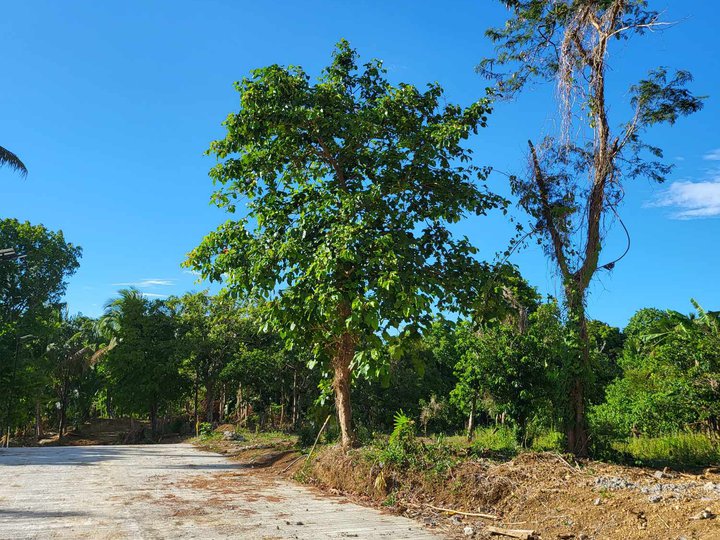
point(549, 441)
point(205, 429)
point(401, 445)
point(683, 448)
point(498, 439)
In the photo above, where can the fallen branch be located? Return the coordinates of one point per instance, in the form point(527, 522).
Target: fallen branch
point(522, 534)
point(293, 462)
point(470, 514)
point(317, 439)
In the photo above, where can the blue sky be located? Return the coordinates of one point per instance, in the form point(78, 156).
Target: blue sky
point(111, 106)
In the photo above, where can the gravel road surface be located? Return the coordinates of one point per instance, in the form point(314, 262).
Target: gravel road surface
point(169, 491)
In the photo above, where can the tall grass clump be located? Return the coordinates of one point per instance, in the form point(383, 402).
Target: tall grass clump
point(495, 440)
point(682, 448)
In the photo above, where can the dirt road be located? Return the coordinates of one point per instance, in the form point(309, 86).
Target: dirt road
point(169, 491)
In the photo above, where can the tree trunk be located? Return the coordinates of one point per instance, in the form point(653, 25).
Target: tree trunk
point(153, 420)
point(221, 412)
point(62, 427)
point(195, 407)
point(210, 401)
point(471, 418)
point(341, 385)
point(238, 404)
point(38, 421)
point(577, 435)
point(294, 398)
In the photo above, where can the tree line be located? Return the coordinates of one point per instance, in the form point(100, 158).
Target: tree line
point(201, 358)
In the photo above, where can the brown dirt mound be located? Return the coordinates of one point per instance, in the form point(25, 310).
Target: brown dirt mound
point(542, 492)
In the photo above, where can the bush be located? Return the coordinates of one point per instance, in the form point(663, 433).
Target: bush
point(549, 441)
point(498, 439)
point(683, 448)
point(205, 429)
point(401, 445)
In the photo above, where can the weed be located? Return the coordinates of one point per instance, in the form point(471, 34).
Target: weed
point(496, 440)
point(549, 441)
point(683, 448)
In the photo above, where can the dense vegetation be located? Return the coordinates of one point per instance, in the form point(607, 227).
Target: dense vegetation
point(499, 377)
point(346, 290)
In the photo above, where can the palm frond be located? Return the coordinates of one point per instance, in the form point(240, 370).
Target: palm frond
point(8, 159)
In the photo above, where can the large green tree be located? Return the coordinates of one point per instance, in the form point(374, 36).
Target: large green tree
point(577, 176)
point(143, 369)
point(31, 287)
point(350, 184)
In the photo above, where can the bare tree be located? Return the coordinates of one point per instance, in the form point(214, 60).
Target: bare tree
point(575, 179)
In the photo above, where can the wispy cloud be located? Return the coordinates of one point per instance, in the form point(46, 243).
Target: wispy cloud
point(146, 283)
point(192, 273)
point(692, 200)
point(154, 295)
point(713, 155)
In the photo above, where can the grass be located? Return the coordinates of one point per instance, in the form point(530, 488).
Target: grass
point(684, 448)
point(499, 440)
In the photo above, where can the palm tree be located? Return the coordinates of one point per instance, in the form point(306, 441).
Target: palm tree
point(7, 158)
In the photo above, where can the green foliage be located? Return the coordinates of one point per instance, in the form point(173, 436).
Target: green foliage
point(495, 440)
point(143, 370)
point(681, 448)
point(205, 430)
point(549, 441)
point(402, 443)
point(351, 186)
point(31, 289)
point(670, 368)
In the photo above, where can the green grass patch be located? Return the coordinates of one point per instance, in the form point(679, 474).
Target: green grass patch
point(549, 441)
point(500, 440)
point(684, 448)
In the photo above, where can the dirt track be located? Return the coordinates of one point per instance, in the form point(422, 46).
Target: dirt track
point(168, 491)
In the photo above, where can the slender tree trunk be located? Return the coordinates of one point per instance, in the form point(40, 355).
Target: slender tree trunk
point(38, 421)
point(221, 412)
point(294, 398)
point(238, 405)
point(471, 418)
point(195, 407)
point(153, 419)
point(62, 428)
point(577, 435)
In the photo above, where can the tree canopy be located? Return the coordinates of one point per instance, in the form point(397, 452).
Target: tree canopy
point(351, 186)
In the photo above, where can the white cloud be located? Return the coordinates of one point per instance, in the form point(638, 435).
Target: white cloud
point(154, 295)
point(146, 283)
point(713, 155)
point(692, 200)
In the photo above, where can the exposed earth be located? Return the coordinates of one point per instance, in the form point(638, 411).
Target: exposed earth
point(170, 491)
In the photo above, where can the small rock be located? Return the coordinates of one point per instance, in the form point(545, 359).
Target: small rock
point(468, 531)
point(660, 475)
point(457, 520)
point(232, 436)
point(612, 483)
point(597, 501)
point(655, 498)
point(705, 514)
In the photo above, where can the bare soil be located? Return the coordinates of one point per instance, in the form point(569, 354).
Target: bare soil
point(543, 492)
